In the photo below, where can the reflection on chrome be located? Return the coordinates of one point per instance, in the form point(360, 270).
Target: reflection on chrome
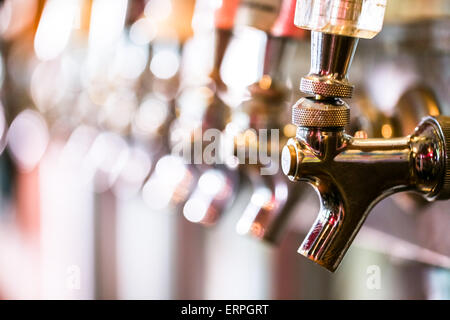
point(169, 184)
point(209, 198)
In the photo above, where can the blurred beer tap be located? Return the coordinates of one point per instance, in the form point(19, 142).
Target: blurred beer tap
point(203, 116)
point(352, 174)
point(273, 197)
point(224, 23)
point(167, 25)
point(17, 31)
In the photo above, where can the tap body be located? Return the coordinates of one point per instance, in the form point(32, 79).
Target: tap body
point(266, 215)
point(215, 182)
point(273, 199)
point(351, 175)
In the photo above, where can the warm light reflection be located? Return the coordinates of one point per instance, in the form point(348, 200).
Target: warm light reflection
point(289, 130)
point(248, 138)
point(265, 82)
point(361, 134)
point(16, 16)
point(386, 131)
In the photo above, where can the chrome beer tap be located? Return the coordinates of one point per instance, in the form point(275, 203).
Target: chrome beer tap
point(273, 197)
point(215, 183)
point(351, 175)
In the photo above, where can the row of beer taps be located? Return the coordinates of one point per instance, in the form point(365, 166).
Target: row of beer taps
point(138, 90)
point(350, 173)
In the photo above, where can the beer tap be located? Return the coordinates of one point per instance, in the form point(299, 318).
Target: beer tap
point(214, 190)
point(351, 175)
point(273, 197)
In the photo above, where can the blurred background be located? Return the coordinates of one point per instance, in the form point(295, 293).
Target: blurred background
point(95, 203)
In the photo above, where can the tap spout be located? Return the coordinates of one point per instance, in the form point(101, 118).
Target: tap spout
point(270, 207)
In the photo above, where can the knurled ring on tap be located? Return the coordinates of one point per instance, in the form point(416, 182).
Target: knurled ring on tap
point(310, 113)
point(326, 88)
point(444, 125)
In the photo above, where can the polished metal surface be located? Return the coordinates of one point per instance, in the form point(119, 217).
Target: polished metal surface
point(331, 57)
point(442, 124)
point(314, 85)
point(415, 103)
point(273, 197)
point(378, 167)
point(351, 175)
point(271, 205)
